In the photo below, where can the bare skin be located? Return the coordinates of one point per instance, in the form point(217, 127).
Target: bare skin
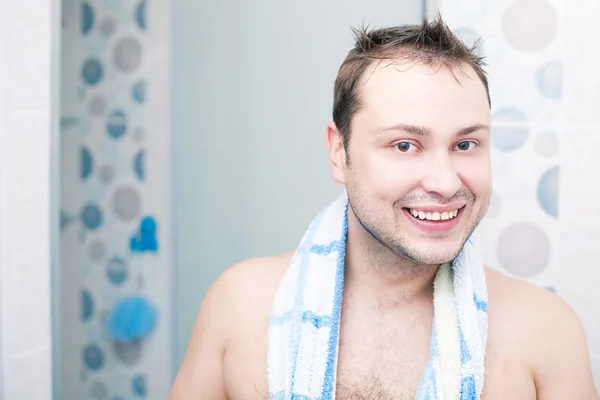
point(536, 346)
point(420, 141)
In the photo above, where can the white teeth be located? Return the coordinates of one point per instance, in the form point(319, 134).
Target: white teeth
point(434, 216)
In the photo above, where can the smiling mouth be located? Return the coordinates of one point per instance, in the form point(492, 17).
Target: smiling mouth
point(433, 216)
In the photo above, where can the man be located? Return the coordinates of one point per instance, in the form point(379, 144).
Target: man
point(410, 141)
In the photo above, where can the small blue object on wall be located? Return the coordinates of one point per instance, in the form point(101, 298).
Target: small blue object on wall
point(116, 271)
point(91, 216)
point(87, 305)
point(92, 71)
point(144, 240)
point(117, 124)
point(86, 163)
point(93, 357)
point(87, 20)
point(138, 165)
point(140, 15)
point(66, 219)
point(132, 318)
point(547, 192)
point(138, 91)
point(138, 384)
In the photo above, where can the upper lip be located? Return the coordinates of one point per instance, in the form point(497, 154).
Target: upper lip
point(438, 207)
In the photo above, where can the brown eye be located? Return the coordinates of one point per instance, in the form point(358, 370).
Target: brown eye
point(464, 146)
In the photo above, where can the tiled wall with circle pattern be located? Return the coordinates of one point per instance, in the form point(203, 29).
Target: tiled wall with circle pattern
point(544, 93)
point(521, 43)
point(115, 200)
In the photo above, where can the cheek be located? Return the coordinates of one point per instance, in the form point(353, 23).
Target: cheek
point(383, 179)
point(477, 177)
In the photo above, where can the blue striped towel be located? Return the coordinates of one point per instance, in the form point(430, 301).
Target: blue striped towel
point(305, 319)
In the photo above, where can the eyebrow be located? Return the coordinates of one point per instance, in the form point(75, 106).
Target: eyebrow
point(423, 131)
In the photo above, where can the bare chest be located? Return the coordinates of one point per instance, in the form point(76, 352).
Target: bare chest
point(381, 357)
point(377, 360)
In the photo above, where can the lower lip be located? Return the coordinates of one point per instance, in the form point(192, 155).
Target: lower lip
point(434, 226)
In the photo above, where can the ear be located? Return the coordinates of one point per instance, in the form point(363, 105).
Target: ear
point(337, 153)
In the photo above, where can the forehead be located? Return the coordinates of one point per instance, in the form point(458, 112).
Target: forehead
point(433, 96)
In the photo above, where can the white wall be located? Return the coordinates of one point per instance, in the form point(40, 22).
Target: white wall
point(27, 72)
point(253, 95)
point(579, 275)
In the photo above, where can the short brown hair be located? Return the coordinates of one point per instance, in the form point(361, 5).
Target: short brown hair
point(431, 43)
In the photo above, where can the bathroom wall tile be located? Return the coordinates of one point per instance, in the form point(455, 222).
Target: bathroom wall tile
point(30, 52)
point(547, 58)
point(596, 370)
point(578, 276)
point(27, 251)
point(32, 375)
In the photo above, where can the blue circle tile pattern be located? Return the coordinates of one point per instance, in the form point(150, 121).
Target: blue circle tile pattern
point(87, 305)
point(530, 25)
point(92, 71)
point(91, 216)
point(509, 129)
point(106, 174)
point(116, 271)
point(140, 15)
point(138, 165)
point(87, 20)
point(550, 80)
point(86, 163)
point(138, 385)
point(127, 54)
point(523, 249)
point(117, 124)
point(138, 92)
point(128, 353)
point(112, 36)
point(108, 26)
point(126, 203)
point(66, 219)
point(547, 192)
point(93, 357)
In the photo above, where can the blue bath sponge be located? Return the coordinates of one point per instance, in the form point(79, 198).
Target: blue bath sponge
point(132, 318)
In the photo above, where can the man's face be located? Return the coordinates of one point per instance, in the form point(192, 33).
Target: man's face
point(419, 174)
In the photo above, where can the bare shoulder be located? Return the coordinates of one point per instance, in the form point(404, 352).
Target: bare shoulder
point(522, 298)
point(536, 314)
point(237, 299)
point(547, 332)
point(253, 278)
point(519, 300)
point(246, 289)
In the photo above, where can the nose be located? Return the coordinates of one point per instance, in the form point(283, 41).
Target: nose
point(441, 176)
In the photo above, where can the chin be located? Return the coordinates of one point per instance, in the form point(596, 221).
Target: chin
point(435, 252)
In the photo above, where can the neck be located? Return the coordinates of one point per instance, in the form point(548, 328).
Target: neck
point(373, 267)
